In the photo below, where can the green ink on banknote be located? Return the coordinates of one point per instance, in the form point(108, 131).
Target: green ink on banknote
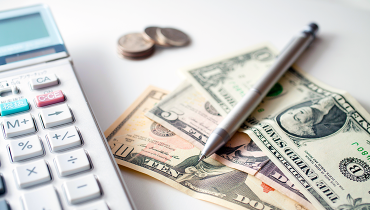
point(276, 90)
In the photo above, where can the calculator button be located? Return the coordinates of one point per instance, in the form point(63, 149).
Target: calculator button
point(44, 81)
point(41, 199)
point(14, 107)
point(82, 189)
point(32, 174)
point(18, 125)
point(57, 115)
point(25, 148)
point(2, 186)
point(49, 98)
point(64, 138)
point(100, 205)
point(72, 162)
point(4, 205)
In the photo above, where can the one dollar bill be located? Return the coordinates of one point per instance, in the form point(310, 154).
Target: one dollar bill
point(145, 146)
point(225, 80)
point(320, 138)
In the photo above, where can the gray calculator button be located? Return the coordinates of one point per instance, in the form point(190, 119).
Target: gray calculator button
point(82, 189)
point(18, 125)
point(72, 162)
point(43, 81)
point(32, 174)
point(56, 115)
point(25, 148)
point(42, 198)
point(100, 205)
point(64, 138)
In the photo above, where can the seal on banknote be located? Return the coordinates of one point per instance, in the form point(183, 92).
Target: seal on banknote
point(159, 130)
point(355, 169)
point(210, 109)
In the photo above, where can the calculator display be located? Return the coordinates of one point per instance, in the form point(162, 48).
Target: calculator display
point(28, 33)
point(21, 29)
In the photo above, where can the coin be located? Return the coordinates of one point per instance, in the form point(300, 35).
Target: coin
point(172, 36)
point(142, 45)
point(139, 55)
point(134, 43)
point(150, 33)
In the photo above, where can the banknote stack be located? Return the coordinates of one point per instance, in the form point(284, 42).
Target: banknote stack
point(306, 146)
point(142, 45)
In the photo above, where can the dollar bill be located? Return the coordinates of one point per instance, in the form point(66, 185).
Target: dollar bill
point(189, 115)
point(145, 146)
point(224, 81)
point(319, 137)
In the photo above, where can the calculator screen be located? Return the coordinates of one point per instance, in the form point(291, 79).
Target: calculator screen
point(28, 33)
point(23, 28)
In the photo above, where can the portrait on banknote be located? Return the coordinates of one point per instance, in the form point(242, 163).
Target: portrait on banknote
point(242, 153)
point(312, 119)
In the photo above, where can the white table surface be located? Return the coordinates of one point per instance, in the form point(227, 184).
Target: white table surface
point(339, 57)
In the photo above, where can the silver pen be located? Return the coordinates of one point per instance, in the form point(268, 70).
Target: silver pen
point(226, 129)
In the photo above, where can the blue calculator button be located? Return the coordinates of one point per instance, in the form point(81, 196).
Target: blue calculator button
point(14, 107)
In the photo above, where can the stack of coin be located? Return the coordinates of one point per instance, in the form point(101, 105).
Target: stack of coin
point(142, 45)
point(135, 46)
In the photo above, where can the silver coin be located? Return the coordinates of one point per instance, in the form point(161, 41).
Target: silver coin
point(173, 36)
point(134, 43)
point(150, 33)
point(136, 55)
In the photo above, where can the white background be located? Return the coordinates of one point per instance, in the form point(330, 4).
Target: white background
point(340, 56)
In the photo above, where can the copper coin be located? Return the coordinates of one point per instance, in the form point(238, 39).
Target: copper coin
point(173, 36)
point(134, 43)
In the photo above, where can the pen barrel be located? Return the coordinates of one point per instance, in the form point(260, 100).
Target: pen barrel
point(286, 59)
point(228, 126)
point(254, 96)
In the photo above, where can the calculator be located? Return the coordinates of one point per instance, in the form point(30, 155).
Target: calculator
point(53, 154)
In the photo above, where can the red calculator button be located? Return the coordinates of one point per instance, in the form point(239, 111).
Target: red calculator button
point(50, 98)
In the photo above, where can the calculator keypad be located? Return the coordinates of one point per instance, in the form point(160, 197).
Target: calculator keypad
point(18, 125)
point(47, 167)
point(82, 189)
point(56, 115)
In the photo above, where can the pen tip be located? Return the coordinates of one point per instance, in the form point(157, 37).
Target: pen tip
point(201, 157)
point(314, 27)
